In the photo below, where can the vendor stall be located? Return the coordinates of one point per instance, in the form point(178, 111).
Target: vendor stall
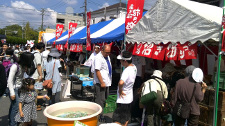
point(173, 21)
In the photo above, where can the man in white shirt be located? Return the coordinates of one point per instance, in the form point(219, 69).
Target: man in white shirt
point(125, 85)
point(91, 59)
point(102, 76)
point(140, 63)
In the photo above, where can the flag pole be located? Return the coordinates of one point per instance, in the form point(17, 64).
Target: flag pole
point(218, 74)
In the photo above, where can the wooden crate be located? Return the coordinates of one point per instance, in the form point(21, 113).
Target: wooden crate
point(220, 117)
point(203, 124)
point(205, 101)
point(204, 112)
point(221, 100)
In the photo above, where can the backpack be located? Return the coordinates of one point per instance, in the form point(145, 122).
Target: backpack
point(29, 64)
point(7, 63)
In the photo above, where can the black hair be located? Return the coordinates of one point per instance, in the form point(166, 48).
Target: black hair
point(5, 44)
point(121, 116)
point(27, 82)
point(127, 54)
point(40, 45)
point(9, 51)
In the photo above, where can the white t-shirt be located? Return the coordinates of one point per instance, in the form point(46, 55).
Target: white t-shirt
point(154, 87)
point(101, 65)
point(90, 62)
point(138, 61)
point(128, 76)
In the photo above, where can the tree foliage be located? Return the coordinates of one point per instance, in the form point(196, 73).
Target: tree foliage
point(17, 34)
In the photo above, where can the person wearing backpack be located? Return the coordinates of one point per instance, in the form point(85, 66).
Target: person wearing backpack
point(157, 86)
point(14, 75)
point(37, 75)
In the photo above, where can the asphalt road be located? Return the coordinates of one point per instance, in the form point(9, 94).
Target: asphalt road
point(41, 119)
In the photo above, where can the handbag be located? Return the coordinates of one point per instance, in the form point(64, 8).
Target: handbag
point(182, 108)
point(148, 98)
point(48, 83)
point(165, 107)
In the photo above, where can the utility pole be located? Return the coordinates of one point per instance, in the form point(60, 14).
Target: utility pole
point(85, 11)
point(42, 17)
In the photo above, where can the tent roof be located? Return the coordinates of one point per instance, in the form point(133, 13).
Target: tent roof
point(107, 31)
point(177, 21)
point(48, 36)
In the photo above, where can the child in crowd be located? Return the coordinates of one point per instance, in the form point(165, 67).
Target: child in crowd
point(27, 107)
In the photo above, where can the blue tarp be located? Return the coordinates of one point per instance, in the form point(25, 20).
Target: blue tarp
point(80, 37)
point(51, 41)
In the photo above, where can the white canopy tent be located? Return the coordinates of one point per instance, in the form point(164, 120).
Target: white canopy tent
point(47, 36)
point(177, 21)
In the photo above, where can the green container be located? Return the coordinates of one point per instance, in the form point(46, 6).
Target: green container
point(221, 81)
point(110, 104)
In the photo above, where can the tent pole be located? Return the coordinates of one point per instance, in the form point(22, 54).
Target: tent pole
point(218, 75)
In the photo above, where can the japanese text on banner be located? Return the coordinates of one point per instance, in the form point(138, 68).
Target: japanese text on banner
point(59, 30)
point(88, 40)
point(134, 13)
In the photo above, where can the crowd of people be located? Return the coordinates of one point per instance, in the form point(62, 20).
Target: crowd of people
point(133, 86)
point(21, 70)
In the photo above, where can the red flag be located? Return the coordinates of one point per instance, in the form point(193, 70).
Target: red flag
point(134, 13)
point(145, 50)
point(223, 44)
point(187, 51)
point(59, 31)
point(171, 52)
point(192, 52)
point(159, 52)
point(88, 40)
point(137, 49)
point(72, 27)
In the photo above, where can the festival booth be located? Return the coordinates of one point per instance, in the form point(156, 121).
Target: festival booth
point(47, 37)
point(177, 31)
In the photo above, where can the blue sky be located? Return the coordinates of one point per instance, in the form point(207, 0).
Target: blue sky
point(19, 12)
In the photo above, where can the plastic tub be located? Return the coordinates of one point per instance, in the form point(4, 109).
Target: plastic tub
point(59, 108)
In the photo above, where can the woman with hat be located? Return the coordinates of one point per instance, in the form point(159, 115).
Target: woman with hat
point(52, 68)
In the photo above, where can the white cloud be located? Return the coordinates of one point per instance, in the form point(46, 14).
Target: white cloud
point(104, 5)
point(70, 2)
point(20, 12)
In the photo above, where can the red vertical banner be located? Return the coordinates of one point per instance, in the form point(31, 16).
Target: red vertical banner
point(72, 28)
point(88, 40)
point(134, 13)
point(59, 31)
point(223, 42)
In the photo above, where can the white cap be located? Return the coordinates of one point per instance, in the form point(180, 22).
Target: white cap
point(120, 57)
point(157, 73)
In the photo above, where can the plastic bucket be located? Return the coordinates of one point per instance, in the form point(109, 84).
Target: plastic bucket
point(62, 107)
